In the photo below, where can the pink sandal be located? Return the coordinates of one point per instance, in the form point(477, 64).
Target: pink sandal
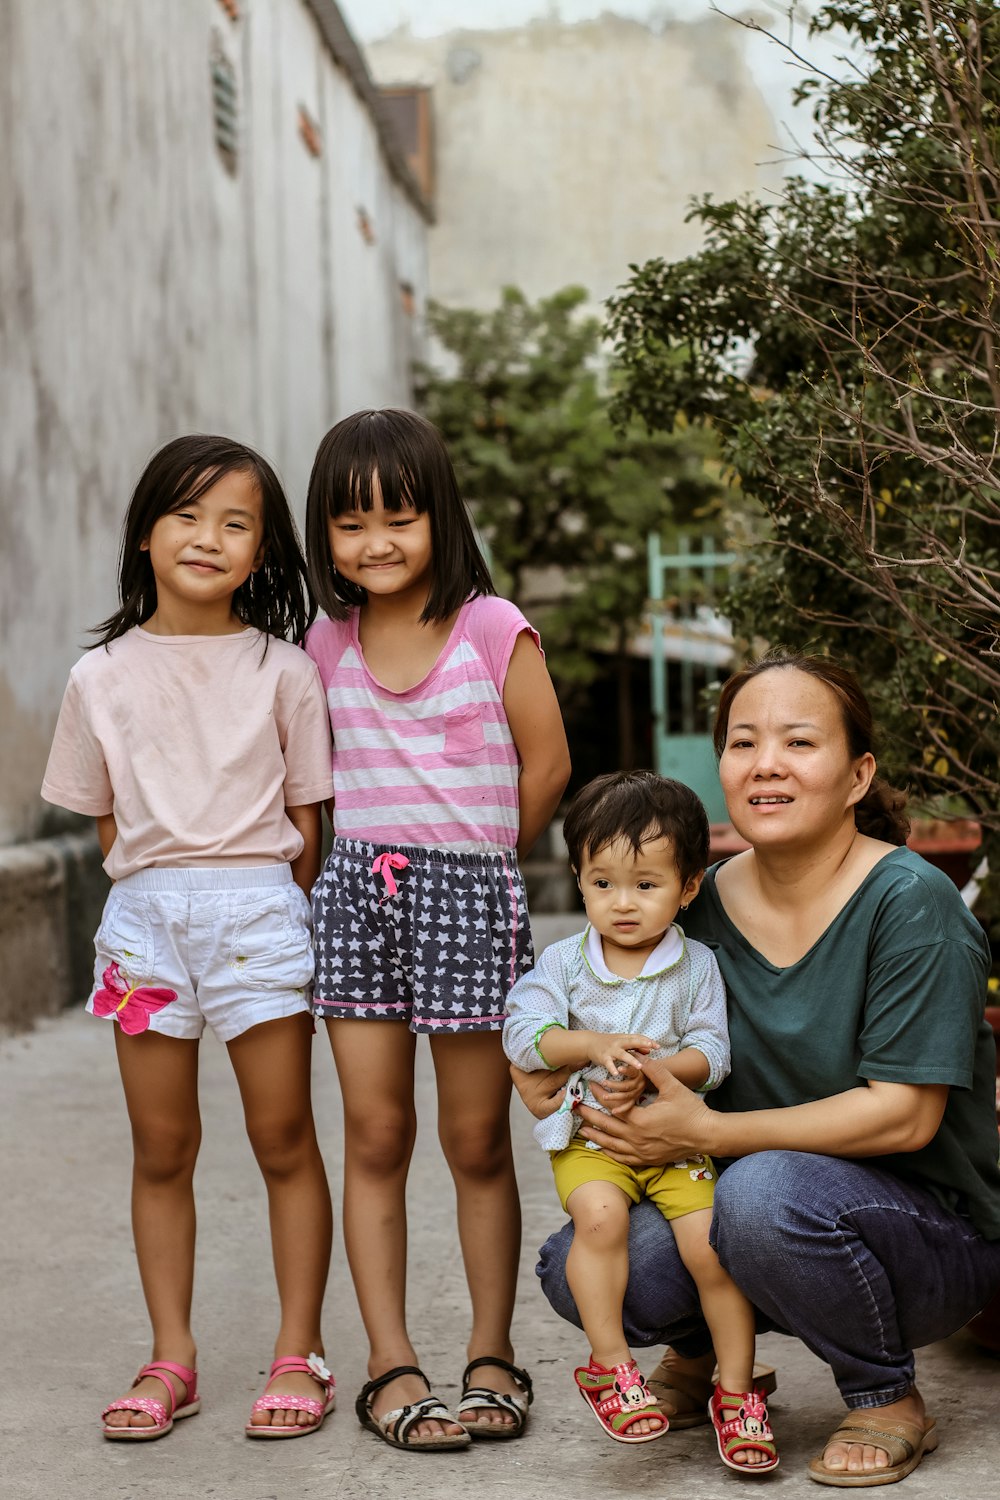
point(163, 1416)
point(313, 1366)
point(740, 1422)
point(619, 1398)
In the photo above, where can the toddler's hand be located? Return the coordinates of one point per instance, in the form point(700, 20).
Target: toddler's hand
point(618, 1051)
point(618, 1095)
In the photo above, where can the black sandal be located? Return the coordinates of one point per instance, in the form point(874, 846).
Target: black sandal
point(480, 1395)
point(394, 1427)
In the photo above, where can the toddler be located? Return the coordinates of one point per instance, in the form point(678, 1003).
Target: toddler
point(632, 985)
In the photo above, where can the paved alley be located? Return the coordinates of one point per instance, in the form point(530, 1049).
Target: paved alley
point(74, 1326)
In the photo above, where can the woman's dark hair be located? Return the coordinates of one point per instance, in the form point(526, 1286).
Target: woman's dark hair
point(275, 599)
point(408, 456)
point(638, 806)
point(881, 813)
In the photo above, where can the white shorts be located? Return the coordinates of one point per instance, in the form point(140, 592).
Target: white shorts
point(234, 944)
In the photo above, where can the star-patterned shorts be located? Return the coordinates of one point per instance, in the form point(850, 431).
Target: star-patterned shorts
point(442, 952)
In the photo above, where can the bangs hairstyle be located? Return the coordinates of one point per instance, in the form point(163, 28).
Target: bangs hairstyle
point(881, 813)
point(276, 599)
point(407, 455)
point(638, 806)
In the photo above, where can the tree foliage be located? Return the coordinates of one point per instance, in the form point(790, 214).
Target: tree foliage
point(843, 341)
point(563, 498)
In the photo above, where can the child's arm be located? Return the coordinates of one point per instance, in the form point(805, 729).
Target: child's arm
point(107, 832)
point(706, 1034)
point(537, 1006)
point(606, 1050)
point(308, 820)
point(305, 745)
point(690, 1066)
point(536, 726)
point(537, 1034)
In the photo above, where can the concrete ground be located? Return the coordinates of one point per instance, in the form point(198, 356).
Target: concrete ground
point(74, 1330)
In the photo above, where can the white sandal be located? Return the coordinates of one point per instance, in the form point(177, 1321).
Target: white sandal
point(394, 1427)
point(481, 1396)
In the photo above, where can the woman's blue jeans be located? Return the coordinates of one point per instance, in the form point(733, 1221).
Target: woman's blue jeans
point(859, 1264)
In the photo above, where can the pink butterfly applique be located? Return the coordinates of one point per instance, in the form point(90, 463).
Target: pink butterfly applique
point(131, 1008)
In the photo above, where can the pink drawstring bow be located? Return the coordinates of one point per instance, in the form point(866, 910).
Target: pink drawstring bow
point(384, 866)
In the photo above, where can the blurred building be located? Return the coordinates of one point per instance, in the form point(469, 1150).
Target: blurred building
point(562, 152)
point(207, 225)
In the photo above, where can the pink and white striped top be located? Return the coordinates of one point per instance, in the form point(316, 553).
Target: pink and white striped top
point(434, 766)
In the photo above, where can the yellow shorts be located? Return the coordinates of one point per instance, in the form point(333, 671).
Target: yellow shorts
point(679, 1189)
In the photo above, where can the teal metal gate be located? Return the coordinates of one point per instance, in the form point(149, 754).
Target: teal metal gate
point(686, 755)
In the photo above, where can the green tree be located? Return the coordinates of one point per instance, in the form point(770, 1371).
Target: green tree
point(563, 498)
point(843, 342)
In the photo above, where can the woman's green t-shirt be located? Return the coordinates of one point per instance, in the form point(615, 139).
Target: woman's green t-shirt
point(894, 990)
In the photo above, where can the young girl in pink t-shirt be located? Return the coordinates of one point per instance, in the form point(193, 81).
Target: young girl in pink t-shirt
point(198, 738)
point(448, 760)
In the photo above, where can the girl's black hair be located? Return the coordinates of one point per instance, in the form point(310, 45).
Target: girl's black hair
point(276, 599)
point(410, 460)
point(638, 806)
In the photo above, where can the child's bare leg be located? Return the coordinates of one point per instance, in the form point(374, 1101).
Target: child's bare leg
point(375, 1066)
point(597, 1267)
point(160, 1078)
point(597, 1272)
point(272, 1066)
point(727, 1312)
point(473, 1082)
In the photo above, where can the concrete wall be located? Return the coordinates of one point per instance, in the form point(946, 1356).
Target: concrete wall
point(146, 290)
point(565, 152)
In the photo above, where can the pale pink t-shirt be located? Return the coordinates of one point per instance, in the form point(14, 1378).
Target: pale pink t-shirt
point(197, 746)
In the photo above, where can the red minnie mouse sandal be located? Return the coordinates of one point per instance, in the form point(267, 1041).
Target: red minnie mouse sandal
point(620, 1399)
point(741, 1426)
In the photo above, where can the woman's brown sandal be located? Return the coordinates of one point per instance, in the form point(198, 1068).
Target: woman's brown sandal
point(905, 1442)
point(684, 1397)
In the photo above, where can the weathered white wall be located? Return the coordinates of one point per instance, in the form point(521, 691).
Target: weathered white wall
point(144, 292)
point(376, 343)
point(567, 151)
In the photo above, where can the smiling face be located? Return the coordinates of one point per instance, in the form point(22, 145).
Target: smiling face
point(384, 551)
point(205, 549)
point(631, 899)
point(786, 768)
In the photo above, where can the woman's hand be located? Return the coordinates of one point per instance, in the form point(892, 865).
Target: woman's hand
point(675, 1124)
point(541, 1092)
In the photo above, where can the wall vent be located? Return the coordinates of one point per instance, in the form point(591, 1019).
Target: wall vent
point(225, 109)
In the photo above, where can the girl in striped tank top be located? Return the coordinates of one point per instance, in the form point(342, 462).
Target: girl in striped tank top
point(449, 759)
